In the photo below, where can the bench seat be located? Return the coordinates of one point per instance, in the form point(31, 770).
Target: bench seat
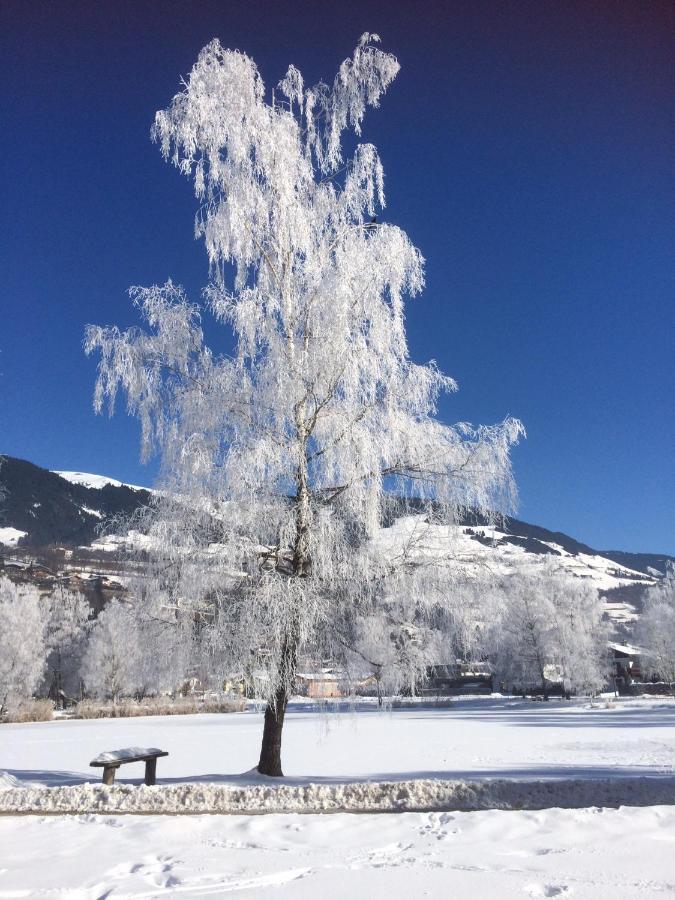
point(111, 760)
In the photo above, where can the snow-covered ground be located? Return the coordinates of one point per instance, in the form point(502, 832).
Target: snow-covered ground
point(486, 737)
point(595, 853)
point(10, 537)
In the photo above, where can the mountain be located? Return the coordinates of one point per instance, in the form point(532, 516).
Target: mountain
point(73, 509)
point(42, 508)
point(538, 540)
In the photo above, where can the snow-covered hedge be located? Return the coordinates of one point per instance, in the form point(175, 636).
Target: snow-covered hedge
point(387, 796)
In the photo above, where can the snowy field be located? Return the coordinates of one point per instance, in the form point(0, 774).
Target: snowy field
point(627, 852)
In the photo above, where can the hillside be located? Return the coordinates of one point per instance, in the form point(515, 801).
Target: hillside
point(74, 509)
point(42, 508)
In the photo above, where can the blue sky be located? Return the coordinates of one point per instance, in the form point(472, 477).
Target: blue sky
point(528, 153)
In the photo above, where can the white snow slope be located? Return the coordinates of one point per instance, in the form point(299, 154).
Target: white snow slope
point(457, 547)
point(593, 852)
point(96, 481)
point(10, 537)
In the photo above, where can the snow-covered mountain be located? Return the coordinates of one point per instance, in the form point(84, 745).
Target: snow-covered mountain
point(42, 508)
point(477, 550)
point(96, 481)
point(71, 509)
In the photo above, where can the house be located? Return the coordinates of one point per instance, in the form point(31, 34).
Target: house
point(634, 670)
point(322, 685)
point(626, 666)
point(457, 678)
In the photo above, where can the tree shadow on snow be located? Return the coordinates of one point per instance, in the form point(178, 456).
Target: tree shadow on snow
point(48, 778)
point(559, 716)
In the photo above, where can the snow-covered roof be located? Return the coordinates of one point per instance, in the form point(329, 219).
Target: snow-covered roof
point(628, 649)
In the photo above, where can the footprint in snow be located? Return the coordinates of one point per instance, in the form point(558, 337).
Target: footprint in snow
point(96, 819)
point(547, 890)
point(381, 857)
point(436, 827)
point(156, 870)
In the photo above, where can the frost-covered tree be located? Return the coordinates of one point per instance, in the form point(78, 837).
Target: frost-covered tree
point(548, 623)
point(521, 637)
point(167, 649)
point(276, 459)
point(22, 642)
point(111, 660)
point(580, 632)
point(67, 626)
point(395, 652)
point(655, 629)
point(140, 649)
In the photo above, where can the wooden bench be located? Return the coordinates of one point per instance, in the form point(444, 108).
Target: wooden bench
point(113, 759)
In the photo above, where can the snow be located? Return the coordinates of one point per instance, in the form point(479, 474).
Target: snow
point(473, 738)
point(421, 795)
point(125, 753)
point(457, 548)
point(92, 512)
point(628, 649)
point(619, 854)
point(11, 536)
point(8, 781)
point(561, 753)
point(132, 540)
point(96, 481)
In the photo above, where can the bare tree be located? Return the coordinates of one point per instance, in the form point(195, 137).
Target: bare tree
point(276, 459)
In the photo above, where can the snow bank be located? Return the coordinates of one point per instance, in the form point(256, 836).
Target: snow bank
point(386, 796)
point(8, 781)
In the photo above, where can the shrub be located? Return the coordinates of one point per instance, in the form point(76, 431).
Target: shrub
point(30, 711)
point(89, 709)
point(127, 707)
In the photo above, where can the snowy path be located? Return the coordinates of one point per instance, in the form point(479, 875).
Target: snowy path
point(625, 854)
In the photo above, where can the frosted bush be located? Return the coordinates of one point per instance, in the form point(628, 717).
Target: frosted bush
point(22, 642)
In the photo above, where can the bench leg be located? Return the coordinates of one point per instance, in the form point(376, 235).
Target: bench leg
point(109, 774)
point(150, 770)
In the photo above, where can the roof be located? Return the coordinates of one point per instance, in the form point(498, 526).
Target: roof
point(628, 649)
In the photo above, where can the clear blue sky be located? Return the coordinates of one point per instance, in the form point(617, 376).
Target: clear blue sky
point(528, 149)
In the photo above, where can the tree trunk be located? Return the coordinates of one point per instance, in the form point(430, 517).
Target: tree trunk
point(270, 751)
